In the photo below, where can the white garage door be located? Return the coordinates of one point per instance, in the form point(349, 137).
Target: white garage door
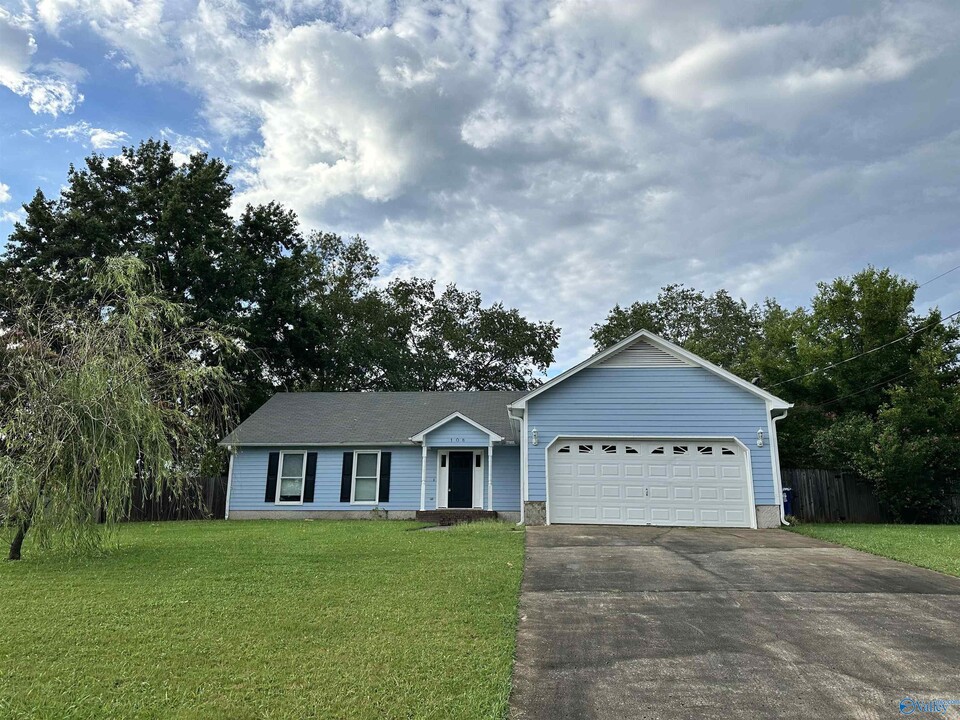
point(663, 482)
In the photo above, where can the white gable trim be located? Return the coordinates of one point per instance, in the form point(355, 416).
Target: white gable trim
point(773, 402)
point(419, 437)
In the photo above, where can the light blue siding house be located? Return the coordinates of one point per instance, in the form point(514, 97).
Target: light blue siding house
point(644, 433)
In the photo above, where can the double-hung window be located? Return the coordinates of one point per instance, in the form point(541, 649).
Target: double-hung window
point(290, 482)
point(366, 477)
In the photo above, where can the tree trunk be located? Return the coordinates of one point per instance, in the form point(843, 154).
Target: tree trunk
point(17, 543)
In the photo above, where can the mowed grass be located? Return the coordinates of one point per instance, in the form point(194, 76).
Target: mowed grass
point(930, 546)
point(272, 619)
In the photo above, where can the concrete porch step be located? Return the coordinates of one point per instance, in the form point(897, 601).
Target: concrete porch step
point(452, 516)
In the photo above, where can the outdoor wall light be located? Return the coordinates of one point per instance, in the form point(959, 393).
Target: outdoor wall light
point(536, 437)
point(759, 438)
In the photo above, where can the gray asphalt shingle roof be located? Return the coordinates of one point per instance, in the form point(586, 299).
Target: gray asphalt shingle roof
point(349, 418)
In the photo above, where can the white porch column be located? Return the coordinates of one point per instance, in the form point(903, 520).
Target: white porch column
point(490, 475)
point(226, 512)
point(423, 477)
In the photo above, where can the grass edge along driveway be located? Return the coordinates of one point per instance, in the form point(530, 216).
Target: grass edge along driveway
point(265, 619)
point(936, 547)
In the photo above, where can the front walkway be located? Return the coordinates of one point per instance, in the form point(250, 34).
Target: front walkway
point(650, 622)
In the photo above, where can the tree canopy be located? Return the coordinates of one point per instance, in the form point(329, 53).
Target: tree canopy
point(309, 309)
point(716, 327)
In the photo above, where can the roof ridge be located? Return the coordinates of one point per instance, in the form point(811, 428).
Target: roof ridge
point(398, 392)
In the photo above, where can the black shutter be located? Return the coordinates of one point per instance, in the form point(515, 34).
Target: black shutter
point(310, 479)
point(346, 477)
point(384, 495)
point(273, 464)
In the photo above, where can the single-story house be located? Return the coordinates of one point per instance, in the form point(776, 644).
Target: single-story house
point(643, 433)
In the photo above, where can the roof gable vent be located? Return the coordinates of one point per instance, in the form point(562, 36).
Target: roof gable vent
point(643, 354)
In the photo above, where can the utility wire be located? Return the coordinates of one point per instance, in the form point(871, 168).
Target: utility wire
point(938, 276)
point(863, 390)
point(868, 352)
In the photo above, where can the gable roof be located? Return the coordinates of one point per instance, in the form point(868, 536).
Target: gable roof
point(419, 437)
point(368, 418)
point(645, 336)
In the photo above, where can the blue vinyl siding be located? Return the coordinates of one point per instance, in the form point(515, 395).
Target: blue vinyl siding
point(458, 433)
point(250, 479)
point(506, 478)
point(649, 401)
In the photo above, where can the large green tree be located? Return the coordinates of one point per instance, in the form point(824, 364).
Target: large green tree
point(858, 341)
point(104, 398)
point(716, 327)
point(910, 447)
point(141, 203)
point(308, 308)
point(174, 218)
point(451, 342)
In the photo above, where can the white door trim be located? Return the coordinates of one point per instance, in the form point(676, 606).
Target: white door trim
point(654, 438)
point(476, 499)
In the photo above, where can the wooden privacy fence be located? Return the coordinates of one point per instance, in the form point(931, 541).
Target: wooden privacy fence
point(831, 496)
point(206, 499)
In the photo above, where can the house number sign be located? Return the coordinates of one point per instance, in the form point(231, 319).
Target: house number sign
point(457, 439)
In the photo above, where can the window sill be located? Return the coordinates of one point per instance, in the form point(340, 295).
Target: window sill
point(288, 502)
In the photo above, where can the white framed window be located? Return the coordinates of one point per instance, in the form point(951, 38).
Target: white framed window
point(366, 477)
point(290, 478)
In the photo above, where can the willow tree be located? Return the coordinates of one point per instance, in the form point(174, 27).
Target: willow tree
point(101, 400)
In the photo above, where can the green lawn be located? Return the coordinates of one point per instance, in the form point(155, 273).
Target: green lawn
point(931, 546)
point(285, 619)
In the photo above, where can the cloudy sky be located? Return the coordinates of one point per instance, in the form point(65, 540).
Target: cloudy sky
point(558, 156)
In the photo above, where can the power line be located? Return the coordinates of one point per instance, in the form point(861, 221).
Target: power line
point(938, 276)
point(863, 390)
point(868, 352)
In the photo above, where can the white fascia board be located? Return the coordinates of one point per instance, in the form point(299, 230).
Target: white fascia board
point(383, 443)
point(419, 437)
point(773, 402)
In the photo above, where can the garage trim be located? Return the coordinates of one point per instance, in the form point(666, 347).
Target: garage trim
point(655, 438)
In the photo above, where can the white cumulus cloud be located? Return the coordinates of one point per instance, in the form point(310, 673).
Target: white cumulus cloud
point(49, 89)
point(84, 132)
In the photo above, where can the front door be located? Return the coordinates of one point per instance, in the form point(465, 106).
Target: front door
point(460, 488)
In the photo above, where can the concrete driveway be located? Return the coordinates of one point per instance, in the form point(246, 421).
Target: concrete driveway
point(701, 623)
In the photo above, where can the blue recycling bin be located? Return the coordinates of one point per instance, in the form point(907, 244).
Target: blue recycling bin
point(788, 501)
